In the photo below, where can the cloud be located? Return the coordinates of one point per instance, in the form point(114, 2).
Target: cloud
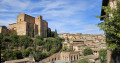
point(5, 22)
point(90, 27)
point(63, 15)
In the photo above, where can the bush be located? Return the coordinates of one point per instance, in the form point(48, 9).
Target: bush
point(10, 55)
point(39, 56)
point(25, 53)
point(87, 51)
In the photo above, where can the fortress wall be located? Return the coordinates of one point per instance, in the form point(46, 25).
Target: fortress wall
point(29, 19)
point(22, 28)
point(12, 26)
point(44, 27)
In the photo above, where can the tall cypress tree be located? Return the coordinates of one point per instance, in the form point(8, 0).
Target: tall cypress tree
point(55, 35)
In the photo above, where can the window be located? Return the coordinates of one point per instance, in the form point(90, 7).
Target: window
point(20, 19)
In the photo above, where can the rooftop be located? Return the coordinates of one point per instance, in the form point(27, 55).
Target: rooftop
point(91, 57)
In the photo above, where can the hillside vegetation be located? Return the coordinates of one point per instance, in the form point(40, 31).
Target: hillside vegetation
point(18, 47)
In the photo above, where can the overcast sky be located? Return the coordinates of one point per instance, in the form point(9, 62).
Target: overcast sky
point(73, 16)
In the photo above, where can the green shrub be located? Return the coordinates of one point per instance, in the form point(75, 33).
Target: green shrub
point(87, 51)
point(38, 42)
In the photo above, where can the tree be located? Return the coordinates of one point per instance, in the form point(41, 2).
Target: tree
point(111, 26)
point(103, 56)
point(44, 33)
point(14, 40)
point(32, 31)
point(48, 32)
point(87, 51)
point(37, 37)
point(55, 33)
point(25, 41)
point(38, 42)
point(39, 56)
point(10, 55)
point(17, 54)
point(64, 49)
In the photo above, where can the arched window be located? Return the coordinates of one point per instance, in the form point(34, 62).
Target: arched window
point(74, 57)
point(20, 19)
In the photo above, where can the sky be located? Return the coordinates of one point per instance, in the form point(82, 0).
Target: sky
point(67, 16)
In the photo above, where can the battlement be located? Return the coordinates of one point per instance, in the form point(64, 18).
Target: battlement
point(26, 18)
point(39, 17)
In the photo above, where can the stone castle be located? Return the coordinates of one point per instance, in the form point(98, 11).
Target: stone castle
point(29, 26)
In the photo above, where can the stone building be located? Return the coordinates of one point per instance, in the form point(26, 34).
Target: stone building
point(79, 42)
point(63, 56)
point(70, 56)
point(30, 26)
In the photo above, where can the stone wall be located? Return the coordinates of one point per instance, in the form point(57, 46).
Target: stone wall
point(44, 27)
point(21, 28)
point(12, 26)
point(109, 57)
point(52, 58)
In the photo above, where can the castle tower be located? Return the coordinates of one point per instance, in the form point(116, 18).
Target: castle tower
point(38, 21)
point(25, 25)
